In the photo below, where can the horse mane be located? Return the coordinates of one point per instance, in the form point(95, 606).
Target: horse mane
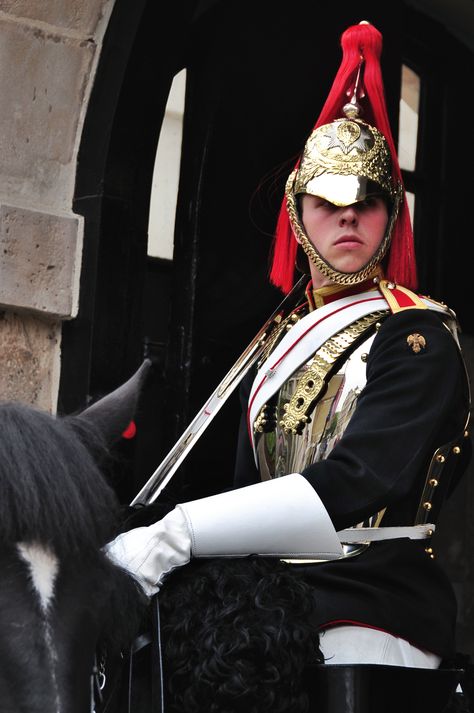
point(51, 488)
point(237, 637)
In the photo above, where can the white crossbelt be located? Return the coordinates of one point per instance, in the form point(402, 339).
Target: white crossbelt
point(305, 338)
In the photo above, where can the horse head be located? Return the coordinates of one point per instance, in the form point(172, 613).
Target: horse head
point(59, 594)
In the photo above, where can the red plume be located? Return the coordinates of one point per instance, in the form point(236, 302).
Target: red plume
point(359, 40)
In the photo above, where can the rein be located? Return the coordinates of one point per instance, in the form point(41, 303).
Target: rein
point(103, 699)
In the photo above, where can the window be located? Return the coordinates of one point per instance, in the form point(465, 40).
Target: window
point(408, 127)
point(164, 193)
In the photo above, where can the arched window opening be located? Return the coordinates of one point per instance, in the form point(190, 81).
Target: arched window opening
point(409, 114)
point(409, 120)
point(164, 192)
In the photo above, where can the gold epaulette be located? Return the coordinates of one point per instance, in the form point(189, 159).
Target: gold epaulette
point(400, 298)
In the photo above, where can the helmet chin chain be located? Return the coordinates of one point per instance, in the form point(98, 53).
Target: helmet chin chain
point(324, 267)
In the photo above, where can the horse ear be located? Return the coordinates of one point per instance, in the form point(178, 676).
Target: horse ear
point(112, 414)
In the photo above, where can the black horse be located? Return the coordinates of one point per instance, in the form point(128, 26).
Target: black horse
point(61, 599)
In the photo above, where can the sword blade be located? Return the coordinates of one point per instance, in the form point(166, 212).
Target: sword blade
point(169, 465)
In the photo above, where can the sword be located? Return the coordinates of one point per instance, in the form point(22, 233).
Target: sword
point(169, 465)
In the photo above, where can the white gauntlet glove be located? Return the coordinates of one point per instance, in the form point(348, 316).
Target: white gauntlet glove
point(149, 553)
point(280, 517)
point(283, 517)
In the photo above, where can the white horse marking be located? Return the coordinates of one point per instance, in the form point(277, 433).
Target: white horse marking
point(43, 567)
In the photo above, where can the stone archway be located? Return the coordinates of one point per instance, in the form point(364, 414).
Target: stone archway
point(48, 57)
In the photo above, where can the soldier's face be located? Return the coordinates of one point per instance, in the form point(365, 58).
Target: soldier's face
point(346, 237)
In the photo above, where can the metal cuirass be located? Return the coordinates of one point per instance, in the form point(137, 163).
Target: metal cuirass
point(280, 452)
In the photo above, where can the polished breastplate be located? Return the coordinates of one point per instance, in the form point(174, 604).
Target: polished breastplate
point(280, 451)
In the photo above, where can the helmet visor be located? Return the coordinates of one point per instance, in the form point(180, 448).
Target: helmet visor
point(343, 190)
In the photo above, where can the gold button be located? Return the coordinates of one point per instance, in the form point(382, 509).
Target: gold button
point(378, 325)
point(429, 550)
point(466, 434)
point(391, 285)
point(440, 458)
point(433, 482)
point(456, 450)
point(427, 506)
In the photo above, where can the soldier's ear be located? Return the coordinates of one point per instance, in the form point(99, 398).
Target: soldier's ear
point(111, 415)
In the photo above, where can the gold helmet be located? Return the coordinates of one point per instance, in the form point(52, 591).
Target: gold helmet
point(345, 160)
point(341, 160)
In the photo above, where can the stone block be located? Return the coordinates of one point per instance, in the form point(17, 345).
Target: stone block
point(39, 261)
point(43, 83)
point(29, 360)
point(78, 15)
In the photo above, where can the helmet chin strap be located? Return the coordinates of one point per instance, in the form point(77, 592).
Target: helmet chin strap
point(324, 267)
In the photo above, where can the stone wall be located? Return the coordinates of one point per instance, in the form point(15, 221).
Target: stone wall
point(48, 55)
